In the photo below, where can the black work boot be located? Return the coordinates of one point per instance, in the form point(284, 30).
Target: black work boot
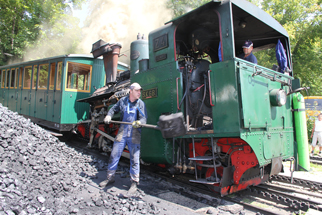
point(109, 180)
point(133, 187)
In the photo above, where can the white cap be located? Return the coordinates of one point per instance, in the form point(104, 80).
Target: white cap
point(135, 86)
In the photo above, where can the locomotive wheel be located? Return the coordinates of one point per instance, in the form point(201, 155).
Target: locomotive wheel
point(67, 135)
point(104, 144)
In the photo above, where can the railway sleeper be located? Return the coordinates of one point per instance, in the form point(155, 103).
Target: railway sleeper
point(285, 200)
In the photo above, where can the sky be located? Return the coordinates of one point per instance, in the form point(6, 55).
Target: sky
point(82, 14)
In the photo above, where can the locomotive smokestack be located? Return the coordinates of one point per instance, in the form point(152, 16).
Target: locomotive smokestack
point(110, 52)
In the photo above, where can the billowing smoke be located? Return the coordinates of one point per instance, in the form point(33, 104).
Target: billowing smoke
point(121, 21)
point(109, 20)
point(59, 38)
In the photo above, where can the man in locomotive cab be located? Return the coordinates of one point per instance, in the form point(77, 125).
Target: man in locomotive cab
point(248, 55)
point(132, 109)
point(201, 42)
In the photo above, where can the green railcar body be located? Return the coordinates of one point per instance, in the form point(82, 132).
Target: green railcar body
point(49, 98)
point(241, 92)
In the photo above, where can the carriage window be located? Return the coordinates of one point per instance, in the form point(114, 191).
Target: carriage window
point(43, 77)
point(7, 79)
point(52, 76)
point(78, 76)
point(20, 77)
point(16, 78)
point(1, 79)
point(13, 78)
point(59, 73)
point(27, 77)
point(34, 77)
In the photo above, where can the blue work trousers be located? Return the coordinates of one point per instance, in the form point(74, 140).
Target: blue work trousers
point(116, 154)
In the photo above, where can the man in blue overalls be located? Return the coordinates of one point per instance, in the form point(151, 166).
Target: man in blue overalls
point(132, 109)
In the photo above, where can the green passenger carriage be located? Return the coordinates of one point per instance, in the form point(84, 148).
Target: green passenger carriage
point(46, 90)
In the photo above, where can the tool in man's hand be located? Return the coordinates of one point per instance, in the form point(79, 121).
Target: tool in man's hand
point(170, 125)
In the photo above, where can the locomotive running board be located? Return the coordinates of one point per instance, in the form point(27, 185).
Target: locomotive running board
point(201, 158)
point(204, 181)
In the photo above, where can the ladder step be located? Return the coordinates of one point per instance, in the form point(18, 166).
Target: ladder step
point(203, 181)
point(201, 158)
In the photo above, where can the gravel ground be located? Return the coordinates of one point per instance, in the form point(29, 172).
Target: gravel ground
point(41, 175)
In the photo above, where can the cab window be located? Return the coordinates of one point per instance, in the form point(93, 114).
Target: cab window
point(27, 77)
point(78, 76)
point(20, 77)
point(34, 77)
point(59, 74)
point(52, 76)
point(7, 78)
point(43, 77)
point(1, 78)
point(16, 78)
point(12, 78)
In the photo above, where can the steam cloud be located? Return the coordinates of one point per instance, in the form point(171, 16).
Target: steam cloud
point(121, 21)
point(109, 20)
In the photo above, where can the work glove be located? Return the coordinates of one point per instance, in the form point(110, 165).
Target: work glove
point(107, 119)
point(136, 124)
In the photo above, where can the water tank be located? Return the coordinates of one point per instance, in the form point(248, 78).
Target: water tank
point(139, 51)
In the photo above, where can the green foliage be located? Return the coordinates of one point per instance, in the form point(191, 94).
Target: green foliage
point(310, 124)
point(302, 20)
point(27, 23)
point(180, 7)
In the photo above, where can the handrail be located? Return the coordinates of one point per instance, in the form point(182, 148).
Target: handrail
point(177, 93)
point(210, 88)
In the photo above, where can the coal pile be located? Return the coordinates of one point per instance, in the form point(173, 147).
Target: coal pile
point(41, 175)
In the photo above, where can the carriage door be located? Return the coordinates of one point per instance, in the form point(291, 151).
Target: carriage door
point(19, 89)
point(32, 95)
point(12, 89)
point(50, 92)
point(7, 84)
point(57, 93)
point(41, 92)
point(25, 93)
point(3, 89)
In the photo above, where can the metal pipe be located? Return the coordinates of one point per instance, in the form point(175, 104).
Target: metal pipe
point(202, 102)
point(104, 134)
point(194, 155)
point(186, 99)
point(213, 157)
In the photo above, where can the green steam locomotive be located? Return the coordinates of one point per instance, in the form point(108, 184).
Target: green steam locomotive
point(241, 120)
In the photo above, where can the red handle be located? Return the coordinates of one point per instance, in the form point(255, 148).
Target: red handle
point(210, 88)
point(177, 93)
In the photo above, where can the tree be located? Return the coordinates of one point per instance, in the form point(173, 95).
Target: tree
point(180, 7)
point(302, 20)
point(23, 22)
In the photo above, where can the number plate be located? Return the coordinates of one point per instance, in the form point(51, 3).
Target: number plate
point(150, 93)
point(160, 42)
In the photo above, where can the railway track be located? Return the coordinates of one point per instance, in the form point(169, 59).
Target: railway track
point(316, 160)
point(279, 196)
